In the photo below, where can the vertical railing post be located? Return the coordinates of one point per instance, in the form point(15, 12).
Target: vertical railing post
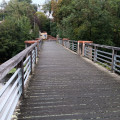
point(20, 65)
point(26, 45)
point(114, 61)
point(35, 55)
point(39, 44)
point(112, 64)
point(22, 71)
point(62, 42)
point(69, 44)
point(72, 46)
point(95, 53)
point(114, 52)
point(83, 49)
point(31, 61)
point(57, 38)
point(36, 51)
point(90, 52)
point(66, 43)
point(78, 48)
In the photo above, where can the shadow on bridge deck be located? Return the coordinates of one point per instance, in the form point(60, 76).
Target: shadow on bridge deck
point(66, 87)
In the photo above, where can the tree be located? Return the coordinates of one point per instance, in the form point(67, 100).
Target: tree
point(43, 22)
point(2, 12)
point(95, 20)
point(28, 1)
point(47, 7)
point(17, 27)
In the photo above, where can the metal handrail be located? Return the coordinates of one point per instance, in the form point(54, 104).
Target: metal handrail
point(70, 44)
point(109, 58)
point(11, 92)
point(103, 46)
point(103, 54)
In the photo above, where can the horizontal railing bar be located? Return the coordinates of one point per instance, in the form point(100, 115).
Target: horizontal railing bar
point(9, 81)
point(117, 61)
point(33, 60)
point(88, 50)
point(8, 65)
point(104, 52)
point(73, 41)
point(116, 70)
point(26, 66)
point(103, 64)
point(26, 60)
point(13, 107)
point(26, 72)
point(118, 56)
point(9, 93)
point(90, 55)
point(10, 104)
point(27, 77)
point(104, 60)
point(103, 46)
point(92, 50)
point(117, 65)
point(104, 56)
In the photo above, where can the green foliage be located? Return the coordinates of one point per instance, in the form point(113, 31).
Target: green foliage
point(95, 20)
point(47, 7)
point(17, 27)
point(43, 22)
point(53, 28)
point(12, 71)
point(35, 32)
point(13, 33)
point(28, 1)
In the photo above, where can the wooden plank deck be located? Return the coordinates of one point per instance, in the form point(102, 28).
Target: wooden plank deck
point(66, 87)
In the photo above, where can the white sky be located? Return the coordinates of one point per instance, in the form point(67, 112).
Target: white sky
point(34, 1)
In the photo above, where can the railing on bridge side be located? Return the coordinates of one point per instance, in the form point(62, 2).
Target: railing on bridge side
point(11, 92)
point(107, 56)
point(70, 44)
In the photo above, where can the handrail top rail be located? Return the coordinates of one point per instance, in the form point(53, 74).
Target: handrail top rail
point(31, 41)
point(82, 41)
point(11, 63)
point(75, 41)
point(103, 46)
point(93, 44)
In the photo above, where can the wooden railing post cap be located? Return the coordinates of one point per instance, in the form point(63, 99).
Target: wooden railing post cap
point(80, 41)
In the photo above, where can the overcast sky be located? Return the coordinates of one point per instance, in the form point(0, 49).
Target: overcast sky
point(34, 1)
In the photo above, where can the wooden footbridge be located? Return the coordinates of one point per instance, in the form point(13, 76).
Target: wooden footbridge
point(62, 83)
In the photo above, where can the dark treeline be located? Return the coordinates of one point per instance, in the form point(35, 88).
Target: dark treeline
point(95, 20)
point(20, 22)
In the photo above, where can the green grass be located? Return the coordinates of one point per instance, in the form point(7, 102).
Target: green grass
point(12, 71)
point(104, 65)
